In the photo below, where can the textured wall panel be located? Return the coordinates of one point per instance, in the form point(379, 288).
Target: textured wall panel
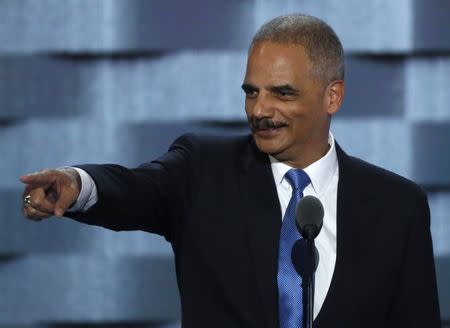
point(374, 87)
point(427, 92)
point(440, 223)
point(431, 25)
point(87, 289)
point(38, 144)
point(188, 85)
point(418, 151)
point(34, 86)
point(57, 25)
point(383, 142)
point(431, 156)
point(442, 275)
point(221, 24)
point(440, 230)
point(123, 26)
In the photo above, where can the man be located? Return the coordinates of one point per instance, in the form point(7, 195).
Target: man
point(226, 203)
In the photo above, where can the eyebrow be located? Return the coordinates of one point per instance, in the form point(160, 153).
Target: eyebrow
point(249, 87)
point(285, 88)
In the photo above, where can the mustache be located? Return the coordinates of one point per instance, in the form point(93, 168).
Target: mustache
point(264, 124)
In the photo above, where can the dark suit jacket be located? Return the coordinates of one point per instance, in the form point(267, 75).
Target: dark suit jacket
point(215, 200)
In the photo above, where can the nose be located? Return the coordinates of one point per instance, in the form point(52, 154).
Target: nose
point(263, 108)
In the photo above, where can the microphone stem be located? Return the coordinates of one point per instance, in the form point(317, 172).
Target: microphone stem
point(310, 284)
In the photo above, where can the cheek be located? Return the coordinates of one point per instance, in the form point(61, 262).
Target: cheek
point(248, 107)
point(308, 110)
point(293, 112)
point(303, 119)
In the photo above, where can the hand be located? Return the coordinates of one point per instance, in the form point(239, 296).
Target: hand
point(51, 192)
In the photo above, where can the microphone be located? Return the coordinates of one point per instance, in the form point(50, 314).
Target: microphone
point(309, 217)
point(309, 220)
point(304, 254)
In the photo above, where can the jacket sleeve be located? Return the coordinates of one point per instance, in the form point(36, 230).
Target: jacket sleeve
point(151, 197)
point(416, 300)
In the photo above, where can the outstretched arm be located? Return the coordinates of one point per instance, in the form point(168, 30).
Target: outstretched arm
point(151, 197)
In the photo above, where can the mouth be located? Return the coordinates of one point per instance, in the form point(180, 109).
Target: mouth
point(268, 132)
point(265, 127)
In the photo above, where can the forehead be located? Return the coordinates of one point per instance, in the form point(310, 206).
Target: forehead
point(277, 62)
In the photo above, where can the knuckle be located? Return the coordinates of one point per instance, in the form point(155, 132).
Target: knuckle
point(34, 194)
point(30, 210)
point(28, 214)
point(36, 202)
point(47, 173)
point(73, 185)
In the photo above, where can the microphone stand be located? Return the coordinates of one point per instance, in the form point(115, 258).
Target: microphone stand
point(305, 259)
point(310, 284)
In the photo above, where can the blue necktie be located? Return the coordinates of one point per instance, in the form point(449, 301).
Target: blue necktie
point(289, 282)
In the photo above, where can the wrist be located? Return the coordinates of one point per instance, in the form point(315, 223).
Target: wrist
point(74, 177)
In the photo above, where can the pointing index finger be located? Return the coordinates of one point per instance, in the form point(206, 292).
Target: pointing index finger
point(39, 178)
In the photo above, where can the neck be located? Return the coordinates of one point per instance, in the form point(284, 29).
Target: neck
point(304, 157)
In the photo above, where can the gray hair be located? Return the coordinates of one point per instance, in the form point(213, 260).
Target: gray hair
point(320, 42)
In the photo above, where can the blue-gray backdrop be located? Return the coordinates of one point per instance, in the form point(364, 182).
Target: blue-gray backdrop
point(117, 81)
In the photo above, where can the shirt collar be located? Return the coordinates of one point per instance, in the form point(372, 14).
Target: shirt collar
point(320, 172)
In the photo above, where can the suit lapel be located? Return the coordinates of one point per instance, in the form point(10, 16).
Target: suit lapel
point(356, 216)
point(356, 221)
point(263, 217)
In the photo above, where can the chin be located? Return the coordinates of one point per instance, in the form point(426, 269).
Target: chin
point(270, 147)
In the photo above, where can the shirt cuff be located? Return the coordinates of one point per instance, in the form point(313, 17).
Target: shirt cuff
point(88, 194)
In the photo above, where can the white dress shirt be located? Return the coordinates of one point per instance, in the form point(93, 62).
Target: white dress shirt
point(88, 196)
point(324, 175)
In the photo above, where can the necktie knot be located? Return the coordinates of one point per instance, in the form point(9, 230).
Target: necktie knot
point(298, 179)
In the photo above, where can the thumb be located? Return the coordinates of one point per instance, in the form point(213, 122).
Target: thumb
point(64, 202)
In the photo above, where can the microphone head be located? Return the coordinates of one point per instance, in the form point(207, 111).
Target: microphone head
point(309, 217)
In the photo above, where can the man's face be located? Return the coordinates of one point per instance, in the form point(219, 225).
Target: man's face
point(288, 110)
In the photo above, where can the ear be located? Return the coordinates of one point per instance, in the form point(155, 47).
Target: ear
point(334, 96)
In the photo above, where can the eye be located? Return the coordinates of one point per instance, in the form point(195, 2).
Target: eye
point(285, 94)
point(250, 92)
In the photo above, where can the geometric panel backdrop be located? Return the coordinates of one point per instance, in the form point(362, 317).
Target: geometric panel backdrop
point(117, 81)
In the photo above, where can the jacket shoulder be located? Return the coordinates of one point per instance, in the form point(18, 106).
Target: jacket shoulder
point(212, 140)
point(383, 180)
point(212, 146)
